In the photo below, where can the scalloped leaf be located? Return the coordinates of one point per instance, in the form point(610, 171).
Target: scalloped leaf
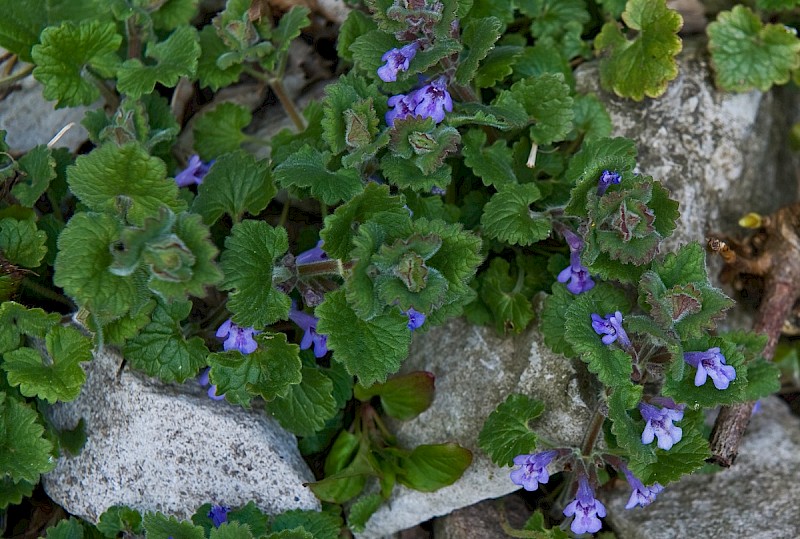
point(507, 433)
point(508, 217)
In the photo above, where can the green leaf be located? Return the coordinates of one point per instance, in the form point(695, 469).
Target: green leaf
point(763, 379)
point(219, 131)
point(610, 363)
point(508, 217)
point(307, 406)
point(547, 100)
point(502, 291)
point(308, 168)
point(231, 530)
point(492, 164)
point(160, 526)
point(83, 263)
point(644, 65)
point(320, 524)
point(356, 24)
point(59, 377)
point(17, 320)
point(66, 51)
point(374, 202)
point(479, 36)
point(270, 372)
point(404, 396)
point(173, 13)
point(543, 58)
point(350, 108)
point(552, 318)
point(24, 452)
point(250, 254)
point(209, 73)
point(776, 5)
point(289, 27)
point(497, 65)
point(558, 23)
point(110, 173)
point(22, 243)
point(506, 432)
point(37, 169)
point(160, 349)
point(236, 184)
point(591, 118)
point(175, 57)
point(119, 518)
point(70, 528)
point(747, 54)
point(612, 154)
point(361, 510)
point(12, 492)
point(536, 523)
point(369, 350)
point(431, 467)
point(503, 114)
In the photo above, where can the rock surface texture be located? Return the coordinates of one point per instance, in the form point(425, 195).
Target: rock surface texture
point(476, 369)
point(166, 448)
point(755, 498)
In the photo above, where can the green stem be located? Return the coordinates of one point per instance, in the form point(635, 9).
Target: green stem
point(284, 212)
point(592, 432)
point(288, 104)
point(111, 99)
point(333, 266)
point(43, 292)
point(56, 207)
point(14, 77)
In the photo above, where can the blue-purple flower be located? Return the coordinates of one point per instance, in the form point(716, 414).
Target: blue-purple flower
point(415, 318)
point(659, 424)
point(315, 254)
point(532, 469)
point(237, 337)
point(607, 178)
point(218, 514)
point(430, 101)
point(396, 60)
point(610, 327)
point(577, 275)
point(212, 389)
point(586, 508)
point(308, 324)
point(194, 172)
point(711, 363)
point(641, 495)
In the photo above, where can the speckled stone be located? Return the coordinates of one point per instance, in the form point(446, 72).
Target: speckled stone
point(169, 448)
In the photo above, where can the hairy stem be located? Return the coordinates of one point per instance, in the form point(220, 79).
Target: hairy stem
point(592, 432)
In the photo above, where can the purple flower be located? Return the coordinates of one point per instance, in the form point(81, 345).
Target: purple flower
point(415, 318)
point(315, 254)
point(194, 172)
point(237, 338)
point(641, 495)
point(436, 190)
point(710, 363)
point(610, 328)
point(308, 324)
point(659, 424)
point(396, 60)
point(430, 101)
point(606, 179)
point(533, 469)
point(577, 275)
point(212, 390)
point(586, 508)
point(218, 515)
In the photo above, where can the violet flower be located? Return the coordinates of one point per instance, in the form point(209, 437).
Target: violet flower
point(219, 515)
point(415, 318)
point(607, 178)
point(586, 508)
point(610, 327)
point(711, 363)
point(397, 60)
point(532, 470)
point(194, 172)
point(308, 324)
point(212, 389)
point(430, 101)
point(641, 495)
point(577, 275)
point(659, 424)
point(237, 337)
point(315, 254)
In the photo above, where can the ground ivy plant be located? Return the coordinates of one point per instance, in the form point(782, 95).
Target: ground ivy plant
point(452, 169)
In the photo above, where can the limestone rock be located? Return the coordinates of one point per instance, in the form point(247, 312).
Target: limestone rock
point(158, 447)
point(475, 370)
point(755, 498)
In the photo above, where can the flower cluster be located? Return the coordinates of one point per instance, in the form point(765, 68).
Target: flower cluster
point(430, 101)
point(397, 60)
point(711, 363)
point(576, 273)
point(586, 509)
point(237, 337)
point(532, 469)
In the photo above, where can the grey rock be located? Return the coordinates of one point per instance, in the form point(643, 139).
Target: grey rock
point(32, 120)
point(476, 369)
point(483, 520)
point(756, 498)
point(158, 447)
